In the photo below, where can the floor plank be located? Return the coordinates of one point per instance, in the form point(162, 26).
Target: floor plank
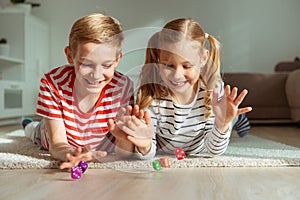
point(200, 183)
point(189, 183)
point(287, 134)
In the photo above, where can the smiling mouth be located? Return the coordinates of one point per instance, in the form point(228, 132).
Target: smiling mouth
point(93, 83)
point(178, 84)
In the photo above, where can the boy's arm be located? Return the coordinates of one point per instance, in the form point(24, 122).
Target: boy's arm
point(61, 150)
point(123, 148)
point(59, 146)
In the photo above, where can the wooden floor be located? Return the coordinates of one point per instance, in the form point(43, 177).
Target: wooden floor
point(194, 183)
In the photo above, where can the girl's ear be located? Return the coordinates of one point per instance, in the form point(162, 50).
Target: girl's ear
point(69, 56)
point(205, 57)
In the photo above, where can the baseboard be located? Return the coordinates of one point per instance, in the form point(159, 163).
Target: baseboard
point(10, 121)
point(17, 120)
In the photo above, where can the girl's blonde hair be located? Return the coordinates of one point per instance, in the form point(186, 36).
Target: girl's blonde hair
point(96, 28)
point(151, 86)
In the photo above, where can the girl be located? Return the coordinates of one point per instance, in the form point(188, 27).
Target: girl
point(182, 92)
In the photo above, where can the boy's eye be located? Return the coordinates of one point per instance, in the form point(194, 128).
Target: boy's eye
point(86, 64)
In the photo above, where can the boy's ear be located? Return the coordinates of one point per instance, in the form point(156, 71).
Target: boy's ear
point(119, 58)
point(69, 56)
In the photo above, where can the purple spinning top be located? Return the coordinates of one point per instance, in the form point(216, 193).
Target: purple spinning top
point(83, 165)
point(76, 172)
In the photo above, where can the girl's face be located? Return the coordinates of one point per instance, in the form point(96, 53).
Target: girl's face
point(94, 66)
point(180, 66)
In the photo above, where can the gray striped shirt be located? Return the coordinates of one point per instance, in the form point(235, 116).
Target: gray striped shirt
point(184, 126)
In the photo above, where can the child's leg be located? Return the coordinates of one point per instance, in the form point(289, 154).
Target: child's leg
point(26, 121)
point(40, 128)
point(241, 125)
point(30, 130)
point(33, 130)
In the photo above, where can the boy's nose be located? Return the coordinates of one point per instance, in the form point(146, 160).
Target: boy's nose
point(98, 72)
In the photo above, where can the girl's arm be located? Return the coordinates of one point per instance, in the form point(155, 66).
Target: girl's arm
point(225, 110)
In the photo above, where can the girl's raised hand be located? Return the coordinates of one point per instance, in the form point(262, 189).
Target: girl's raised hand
point(227, 108)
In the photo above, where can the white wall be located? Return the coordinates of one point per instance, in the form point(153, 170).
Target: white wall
point(255, 34)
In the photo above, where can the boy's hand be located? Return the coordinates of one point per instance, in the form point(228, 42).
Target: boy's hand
point(81, 154)
point(124, 147)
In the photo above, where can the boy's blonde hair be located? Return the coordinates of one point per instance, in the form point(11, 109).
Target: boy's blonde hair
point(96, 28)
point(175, 31)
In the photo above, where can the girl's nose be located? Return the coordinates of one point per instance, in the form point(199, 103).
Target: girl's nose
point(178, 71)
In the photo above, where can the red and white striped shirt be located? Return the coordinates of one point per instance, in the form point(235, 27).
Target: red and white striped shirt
point(57, 101)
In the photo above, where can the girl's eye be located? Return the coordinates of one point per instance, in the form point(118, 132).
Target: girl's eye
point(187, 66)
point(107, 66)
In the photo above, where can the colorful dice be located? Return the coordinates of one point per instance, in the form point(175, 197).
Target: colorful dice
point(180, 155)
point(156, 165)
point(77, 171)
point(165, 162)
point(83, 165)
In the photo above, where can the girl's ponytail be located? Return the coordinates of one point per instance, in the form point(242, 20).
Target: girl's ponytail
point(211, 72)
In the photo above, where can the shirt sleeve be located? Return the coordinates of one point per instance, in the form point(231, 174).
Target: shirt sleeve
point(48, 103)
point(148, 156)
point(216, 142)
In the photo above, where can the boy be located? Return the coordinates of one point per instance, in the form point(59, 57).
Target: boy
point(76, 100)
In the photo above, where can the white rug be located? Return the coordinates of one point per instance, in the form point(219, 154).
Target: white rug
point(18, 152)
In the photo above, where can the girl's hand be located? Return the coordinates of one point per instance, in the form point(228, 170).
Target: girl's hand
point(226, 109)
point(138, 132)
point(81, 154)
point(128, 111)
point(124, 116)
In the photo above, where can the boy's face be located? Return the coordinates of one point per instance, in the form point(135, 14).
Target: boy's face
point(94, 66)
